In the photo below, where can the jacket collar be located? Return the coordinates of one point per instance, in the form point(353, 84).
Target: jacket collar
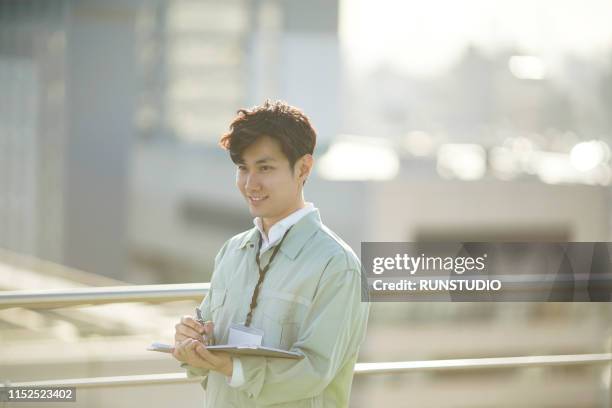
point(297, 237)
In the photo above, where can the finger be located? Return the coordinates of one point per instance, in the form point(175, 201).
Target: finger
point(209, 328)
point(190, 350)
point(183, 331)
point(188, 332)
point(187, 342)
point(179, 337)
point(179, 352)
point(182, 345)
point(198, 359)
point(208, 334)
point(180, 355)
point(186, 348)
point(205, 354)
point(177, 347)
point(191, 322)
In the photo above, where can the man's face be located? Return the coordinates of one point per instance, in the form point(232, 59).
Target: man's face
point(270, 187)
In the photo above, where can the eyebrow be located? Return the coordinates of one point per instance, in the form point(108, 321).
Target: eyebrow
point(260, 161)
point(265, 159)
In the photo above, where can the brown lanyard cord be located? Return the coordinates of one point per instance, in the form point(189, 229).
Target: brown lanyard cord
point(262, 274)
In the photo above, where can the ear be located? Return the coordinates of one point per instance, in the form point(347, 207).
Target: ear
point(304, 166)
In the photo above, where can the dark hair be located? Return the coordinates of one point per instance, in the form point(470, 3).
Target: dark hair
point(285, 123)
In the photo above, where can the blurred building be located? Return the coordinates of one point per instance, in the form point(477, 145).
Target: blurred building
point(32, 127)
point(484, 98)
point(196, 208)
point(67, 130)
point(202, 60)
point(87, 83)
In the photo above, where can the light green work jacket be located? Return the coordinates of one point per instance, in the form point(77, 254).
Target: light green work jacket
point(309, 302)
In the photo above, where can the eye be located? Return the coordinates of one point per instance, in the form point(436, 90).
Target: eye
point(241, 168)
point(265, 168)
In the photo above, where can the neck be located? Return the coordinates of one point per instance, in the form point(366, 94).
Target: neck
point(269, 222)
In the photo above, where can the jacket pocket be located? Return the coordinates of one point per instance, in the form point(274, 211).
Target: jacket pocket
point(289, 335)
point(282, 320)
point(217, 300)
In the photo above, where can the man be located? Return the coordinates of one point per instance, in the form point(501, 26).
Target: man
point(289, 278)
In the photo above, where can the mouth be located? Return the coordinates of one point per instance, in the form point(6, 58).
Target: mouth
point(256, 200)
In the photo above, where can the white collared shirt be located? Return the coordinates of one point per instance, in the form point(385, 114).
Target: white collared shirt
point(278, 230)
point(275, 234)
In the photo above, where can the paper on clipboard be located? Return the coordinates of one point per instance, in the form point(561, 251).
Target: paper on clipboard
point(238, 350)
point(161, 347)
point(256, 351)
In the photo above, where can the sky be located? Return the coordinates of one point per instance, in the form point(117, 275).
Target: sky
point(423, 38)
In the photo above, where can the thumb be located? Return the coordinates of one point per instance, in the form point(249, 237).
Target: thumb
point(209, 327)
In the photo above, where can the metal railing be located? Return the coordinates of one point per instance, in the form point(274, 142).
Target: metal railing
point(160, 293)
point(54, 298)
point(360, 369)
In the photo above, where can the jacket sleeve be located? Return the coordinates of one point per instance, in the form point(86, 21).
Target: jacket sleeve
point(332, 332)
point(207, 315)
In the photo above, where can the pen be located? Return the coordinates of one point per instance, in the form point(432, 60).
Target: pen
point(199, 314)
point(209, 341)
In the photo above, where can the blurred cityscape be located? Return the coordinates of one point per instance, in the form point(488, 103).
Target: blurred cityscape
point(110, 112)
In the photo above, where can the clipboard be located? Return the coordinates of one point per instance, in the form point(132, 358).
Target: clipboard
point(243, 350)
point(256, 351)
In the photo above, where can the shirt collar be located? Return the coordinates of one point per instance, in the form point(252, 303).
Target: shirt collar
point(302, 230)
point(279, 228)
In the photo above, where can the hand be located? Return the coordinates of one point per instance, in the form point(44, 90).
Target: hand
point(190, 328)
point(195, 354)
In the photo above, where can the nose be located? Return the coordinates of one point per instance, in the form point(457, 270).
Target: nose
point(251, 182)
